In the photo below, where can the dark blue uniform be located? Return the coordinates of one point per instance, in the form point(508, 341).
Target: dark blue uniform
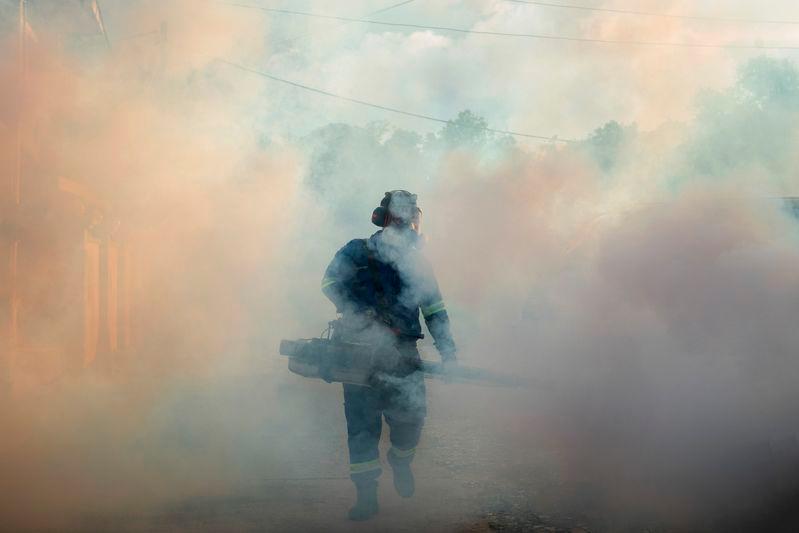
point(380, 287)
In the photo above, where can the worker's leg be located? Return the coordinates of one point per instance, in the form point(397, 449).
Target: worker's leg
point(405, 416)
point(362, 410)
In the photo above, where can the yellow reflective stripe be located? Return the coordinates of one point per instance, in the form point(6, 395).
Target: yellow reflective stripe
point(401, 454)
point(359, 468)
point(433, 309)
point(327, 282)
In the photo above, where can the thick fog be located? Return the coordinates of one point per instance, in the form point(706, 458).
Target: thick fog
point(643, 277)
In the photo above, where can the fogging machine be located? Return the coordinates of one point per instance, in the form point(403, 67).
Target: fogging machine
point(351, 362)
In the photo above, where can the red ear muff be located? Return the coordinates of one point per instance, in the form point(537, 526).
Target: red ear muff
point(380, 216)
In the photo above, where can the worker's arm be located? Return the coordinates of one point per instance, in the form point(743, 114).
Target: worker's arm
point(338, 277)
point(435, 315)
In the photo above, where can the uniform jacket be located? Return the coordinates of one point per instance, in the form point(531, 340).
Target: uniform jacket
point(393, 282)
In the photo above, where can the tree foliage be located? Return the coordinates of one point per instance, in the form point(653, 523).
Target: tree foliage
point(605, 144)
point(753, 124)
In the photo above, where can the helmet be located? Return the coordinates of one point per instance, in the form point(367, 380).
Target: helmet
point(398, 208)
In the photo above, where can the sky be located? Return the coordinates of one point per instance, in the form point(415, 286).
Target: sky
point(527, 85)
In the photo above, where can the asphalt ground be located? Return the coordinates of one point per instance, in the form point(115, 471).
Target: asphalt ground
point(476, 470)
point(267, 452)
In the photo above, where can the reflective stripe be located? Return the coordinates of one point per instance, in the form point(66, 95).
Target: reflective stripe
point(359, 468)
point(327, 282)
point(433, 309)
point(402, 454)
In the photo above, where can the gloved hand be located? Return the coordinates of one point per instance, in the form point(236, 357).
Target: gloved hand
point(448, 365)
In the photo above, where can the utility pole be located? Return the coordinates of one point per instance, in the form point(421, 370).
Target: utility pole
point(98, 16)
point(17, 184)
point(21, 60)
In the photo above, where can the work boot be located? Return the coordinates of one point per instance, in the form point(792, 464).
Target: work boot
point(366, 506)
point(403, 475)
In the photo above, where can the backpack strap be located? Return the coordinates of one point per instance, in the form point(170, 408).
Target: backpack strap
point(382, 301)
point(377, 286)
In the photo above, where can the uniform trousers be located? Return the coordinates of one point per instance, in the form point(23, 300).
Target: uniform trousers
point(400, 398)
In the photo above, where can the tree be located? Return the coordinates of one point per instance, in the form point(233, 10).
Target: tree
point(753, 124)
point(606, 142)
point(350, 167)
point(469, 131)
point(466, 131)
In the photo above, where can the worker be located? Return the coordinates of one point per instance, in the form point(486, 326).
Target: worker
point(379, 285)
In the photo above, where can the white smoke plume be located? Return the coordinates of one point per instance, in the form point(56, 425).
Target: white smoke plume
point(646, 275)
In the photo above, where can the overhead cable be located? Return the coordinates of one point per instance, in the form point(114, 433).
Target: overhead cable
point(370, 14)
point(524, 35)
point(654, 14)
point(389, 8)
point(383, 107)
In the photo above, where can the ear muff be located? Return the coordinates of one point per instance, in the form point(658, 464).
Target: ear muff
point(380, 216)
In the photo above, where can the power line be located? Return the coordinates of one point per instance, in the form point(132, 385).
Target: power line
point(382, 107)
point(389, 8)
point(508, 34)
point(306, 34)
point(653, 14)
